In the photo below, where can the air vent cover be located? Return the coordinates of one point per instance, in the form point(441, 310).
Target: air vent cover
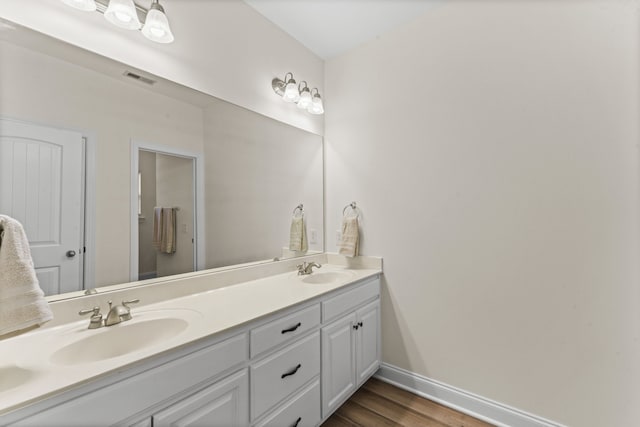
point(139, 78)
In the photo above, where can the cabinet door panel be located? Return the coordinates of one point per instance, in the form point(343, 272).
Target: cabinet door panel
point(338, 362)
point(368, 341)
point(224, 404)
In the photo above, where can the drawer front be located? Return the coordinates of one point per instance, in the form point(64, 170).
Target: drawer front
point(281, 374)
point(284, 329)
point(303, 410)
point(114, 403)
point(347, 301)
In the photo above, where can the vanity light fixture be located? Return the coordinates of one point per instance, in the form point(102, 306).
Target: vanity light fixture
point(122, 13)
point(86, 5)
point(316, 103)
point(304, 98)
point(126, 14)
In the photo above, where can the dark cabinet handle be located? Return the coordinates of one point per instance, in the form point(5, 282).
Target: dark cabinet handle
point(356, 326)
point(286, 374)
point(360, 324)
point(297, 422)
point(291, 329)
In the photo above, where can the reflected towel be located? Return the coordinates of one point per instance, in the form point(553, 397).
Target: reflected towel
point(349, 244)
point(298, 235)
point(22, 303)
point(164, 229)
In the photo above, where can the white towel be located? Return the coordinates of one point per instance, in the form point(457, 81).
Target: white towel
point(298, 235)
point(349, 244)
point(22, 303)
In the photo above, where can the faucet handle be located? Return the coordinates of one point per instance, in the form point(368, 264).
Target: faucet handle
point(94, 310)
point(133, 301)
point(96, 317)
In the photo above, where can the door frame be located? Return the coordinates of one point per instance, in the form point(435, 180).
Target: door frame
point(198, 221)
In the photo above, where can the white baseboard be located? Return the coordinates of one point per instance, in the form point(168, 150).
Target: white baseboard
point(476, 406)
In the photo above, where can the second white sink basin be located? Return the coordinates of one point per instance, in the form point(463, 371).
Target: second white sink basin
point(327, 277)
point(14, 376)
point(123, 338)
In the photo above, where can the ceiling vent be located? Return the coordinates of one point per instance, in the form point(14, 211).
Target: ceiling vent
point(139, 78)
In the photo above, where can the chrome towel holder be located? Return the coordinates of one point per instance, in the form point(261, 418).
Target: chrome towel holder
point(300, 207)
point(353, 207)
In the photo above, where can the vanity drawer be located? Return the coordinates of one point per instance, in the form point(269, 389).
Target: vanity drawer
point(284, 329)
point(304, 406)
point(281, 374)
point(347, 301)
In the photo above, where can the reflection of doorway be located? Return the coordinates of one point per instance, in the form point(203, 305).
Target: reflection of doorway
point(42, 186)
point(164, 180)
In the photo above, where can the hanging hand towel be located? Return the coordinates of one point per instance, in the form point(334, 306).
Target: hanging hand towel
point(164, 229)
point(298, 235)
point(22, 303)
point(350, 238)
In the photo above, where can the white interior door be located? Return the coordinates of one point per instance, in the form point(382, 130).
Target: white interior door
point(41, 185)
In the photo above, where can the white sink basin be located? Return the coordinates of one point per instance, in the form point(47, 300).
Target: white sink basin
point(14, 376)
point(327, 277)
point(123, 338)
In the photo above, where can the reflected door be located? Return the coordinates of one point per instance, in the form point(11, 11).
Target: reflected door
point(41, 185)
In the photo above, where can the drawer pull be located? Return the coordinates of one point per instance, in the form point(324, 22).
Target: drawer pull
point(291, 329)
point(286, 374)
point(297, 422)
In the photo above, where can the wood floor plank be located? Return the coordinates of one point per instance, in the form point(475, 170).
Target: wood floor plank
point(337, 420)
point(446, 416)
point(363, 417)
point(393, 411)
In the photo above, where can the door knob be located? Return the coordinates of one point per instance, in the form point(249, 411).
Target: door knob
point(71, 254)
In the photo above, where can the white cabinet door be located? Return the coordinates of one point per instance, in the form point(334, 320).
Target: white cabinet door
point(224, 404)
point(338, 362)
point(367, 341)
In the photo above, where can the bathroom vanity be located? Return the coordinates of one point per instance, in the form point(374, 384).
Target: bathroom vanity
point(260, 346)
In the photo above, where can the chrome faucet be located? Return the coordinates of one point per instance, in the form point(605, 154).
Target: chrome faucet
point(119, 313)
point(307, 268)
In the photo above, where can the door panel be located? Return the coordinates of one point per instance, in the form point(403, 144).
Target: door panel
point(41, 186)
point(368, 354)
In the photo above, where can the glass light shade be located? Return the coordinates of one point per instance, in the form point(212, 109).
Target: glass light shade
point(86, 5)
point(122, 13)
point(305, 100)
point(316, 105)
point(291, 93)
point(156, 27)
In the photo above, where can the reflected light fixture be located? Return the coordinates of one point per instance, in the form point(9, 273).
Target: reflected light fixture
point(127, 14)
point(304, 98)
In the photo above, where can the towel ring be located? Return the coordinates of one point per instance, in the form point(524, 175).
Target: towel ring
point(353, 206)
point(300, 208)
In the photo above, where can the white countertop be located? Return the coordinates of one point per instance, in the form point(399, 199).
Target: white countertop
point(27, 374)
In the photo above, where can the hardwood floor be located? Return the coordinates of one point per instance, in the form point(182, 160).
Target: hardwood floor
point(380, 404)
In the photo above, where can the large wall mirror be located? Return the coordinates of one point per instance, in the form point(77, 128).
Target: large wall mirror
point(99, 160)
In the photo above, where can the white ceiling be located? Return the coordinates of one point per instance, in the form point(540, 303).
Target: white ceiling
point(331, 27)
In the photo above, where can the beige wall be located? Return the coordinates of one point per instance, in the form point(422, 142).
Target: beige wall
point(222, 48)
point(45, 90)
point(493, 149)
